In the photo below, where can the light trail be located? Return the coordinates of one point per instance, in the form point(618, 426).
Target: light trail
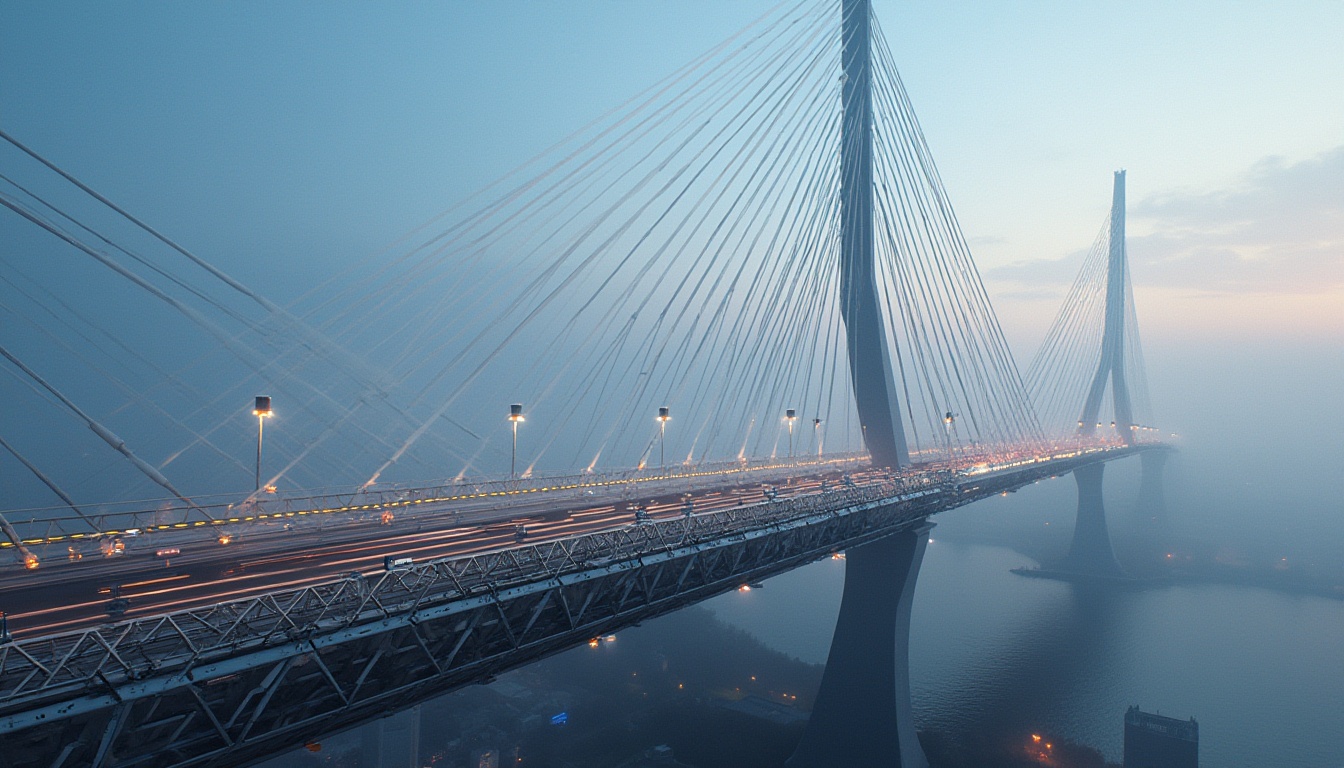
point(252, 565)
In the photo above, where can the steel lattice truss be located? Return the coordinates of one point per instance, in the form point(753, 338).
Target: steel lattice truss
point(236, 682)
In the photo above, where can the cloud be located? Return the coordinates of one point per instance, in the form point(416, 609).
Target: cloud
point(1278, 230)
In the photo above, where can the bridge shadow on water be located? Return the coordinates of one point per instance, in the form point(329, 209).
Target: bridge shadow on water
point(1042, 679)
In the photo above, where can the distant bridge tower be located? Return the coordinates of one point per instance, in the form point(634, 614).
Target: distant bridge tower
point(1113, 335)
point(862, 715)
point(1091, 552)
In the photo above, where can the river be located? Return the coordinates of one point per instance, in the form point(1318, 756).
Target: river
point(1000, 656)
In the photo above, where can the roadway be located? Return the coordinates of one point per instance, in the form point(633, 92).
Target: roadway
point(67, 596)
point(77, 595)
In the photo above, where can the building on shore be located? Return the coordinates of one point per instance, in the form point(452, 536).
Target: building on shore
point(1154, 741)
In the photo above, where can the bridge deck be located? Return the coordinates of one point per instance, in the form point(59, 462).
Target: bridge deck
point(228, 683)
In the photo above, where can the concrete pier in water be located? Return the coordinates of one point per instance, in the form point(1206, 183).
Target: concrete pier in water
point(862, 717)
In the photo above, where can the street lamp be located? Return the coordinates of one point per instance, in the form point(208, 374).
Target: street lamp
point(950, 427)
point(790, 416)
point(515, 416)
point(816, 434)
point(664, 416)
point(262, 410)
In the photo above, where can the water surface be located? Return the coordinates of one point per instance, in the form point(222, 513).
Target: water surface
point(1001, 656)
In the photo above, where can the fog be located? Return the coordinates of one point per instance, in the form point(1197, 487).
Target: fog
point(302, 154)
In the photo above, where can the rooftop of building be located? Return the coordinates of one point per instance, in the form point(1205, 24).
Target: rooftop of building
point(1186, 730)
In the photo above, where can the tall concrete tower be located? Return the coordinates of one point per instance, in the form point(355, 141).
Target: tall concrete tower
point(862, 716)
point(865, 332)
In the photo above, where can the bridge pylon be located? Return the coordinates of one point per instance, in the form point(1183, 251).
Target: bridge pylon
point(870, 368)
point(1149, 514)
point(1112, 364)
point(1091, 554)
point(862, 716)
point(1152, 502)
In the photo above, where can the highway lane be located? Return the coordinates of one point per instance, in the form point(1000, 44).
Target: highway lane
point(82, 591)
point(44, 539)
point(76, 595)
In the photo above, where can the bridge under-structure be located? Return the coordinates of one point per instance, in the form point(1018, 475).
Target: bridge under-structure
point(233, 683)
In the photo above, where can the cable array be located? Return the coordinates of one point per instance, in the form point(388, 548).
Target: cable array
point(1070, 356)
point(681, 251)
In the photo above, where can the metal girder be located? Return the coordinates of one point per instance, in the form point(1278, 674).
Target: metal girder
point(236, 682)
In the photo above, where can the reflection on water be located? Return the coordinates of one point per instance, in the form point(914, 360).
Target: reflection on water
point(995, 656)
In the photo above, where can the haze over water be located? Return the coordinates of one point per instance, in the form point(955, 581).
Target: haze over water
point(998, 656)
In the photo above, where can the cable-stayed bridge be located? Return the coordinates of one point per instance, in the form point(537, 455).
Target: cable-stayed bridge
point(730, 327)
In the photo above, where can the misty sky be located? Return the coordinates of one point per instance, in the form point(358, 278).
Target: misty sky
point(286, 139)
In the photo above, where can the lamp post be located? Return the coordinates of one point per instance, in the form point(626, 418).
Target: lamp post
point(515, 416)
point(816, 434)
point(664, 416)
point(262, 410)
point(950, 426)
point(790, 416)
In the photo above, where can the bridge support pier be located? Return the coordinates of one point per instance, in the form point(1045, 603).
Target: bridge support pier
point(862, 715)
point(1152, 504)
point(1091, 553)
